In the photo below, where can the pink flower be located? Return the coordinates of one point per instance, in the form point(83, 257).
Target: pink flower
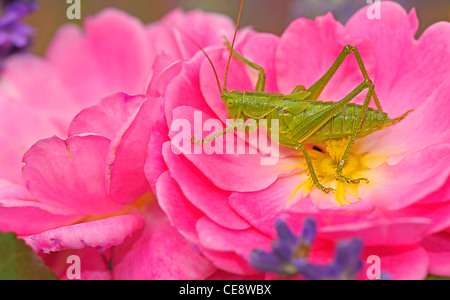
point(86, 191)
point(82, 66)
point(226, 204)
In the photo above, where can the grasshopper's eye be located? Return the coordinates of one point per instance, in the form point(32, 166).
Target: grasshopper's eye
point(230, 102)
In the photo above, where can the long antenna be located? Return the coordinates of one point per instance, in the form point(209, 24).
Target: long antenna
point(204, 52)
point(232, 47)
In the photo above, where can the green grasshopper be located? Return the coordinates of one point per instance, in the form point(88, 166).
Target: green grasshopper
point(302, 118)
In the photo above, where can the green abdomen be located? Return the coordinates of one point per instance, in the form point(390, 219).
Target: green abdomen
point(341, 124)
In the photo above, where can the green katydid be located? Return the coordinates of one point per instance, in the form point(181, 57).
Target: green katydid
point(302, 118)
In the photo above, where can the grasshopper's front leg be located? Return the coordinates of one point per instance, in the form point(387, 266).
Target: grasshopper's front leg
point(212, 137)
point(237, 125)
point(261, 83)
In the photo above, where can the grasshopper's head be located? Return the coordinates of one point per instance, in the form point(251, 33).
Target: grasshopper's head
point(233, 103)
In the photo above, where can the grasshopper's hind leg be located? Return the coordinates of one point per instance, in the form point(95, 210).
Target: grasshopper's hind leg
point(317, 88)
point(356, 129)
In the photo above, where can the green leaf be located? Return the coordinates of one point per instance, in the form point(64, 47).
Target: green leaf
point(19, 262)
point(434, 277)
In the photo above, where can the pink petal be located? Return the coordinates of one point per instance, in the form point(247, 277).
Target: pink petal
point(175, 31)
point(17, 196)
point(307, 50)
point(401, 263)
point(436, 212)
point(110, 62)
point(261, 208)
point(16, 205)
point(218, 238)
point(392, 232)
point(41, 76)
point(229, 249)
point(93, 264)
point(429, 124)
point(438, 250)
point(108, 116)
point(20, 127)
point(400, 58)
point(182, 214)
point(70, 173)
point(164, 69)
point(188, 85)
point(145, 255)
point(229, 262)
point(229, 163)
point(12, 219)
point(418, 174)
point(201, 192)
point(439, 196)
point(155, 165)
point(99, 234)
point(128, 153)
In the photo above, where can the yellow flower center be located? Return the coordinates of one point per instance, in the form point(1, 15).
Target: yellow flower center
point(325, 159)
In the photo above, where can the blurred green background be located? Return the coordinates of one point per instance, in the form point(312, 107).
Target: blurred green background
point(264, 15)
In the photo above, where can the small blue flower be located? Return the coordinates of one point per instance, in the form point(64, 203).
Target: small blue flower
point(289, 255)
point(287, 250)
point(14, 35)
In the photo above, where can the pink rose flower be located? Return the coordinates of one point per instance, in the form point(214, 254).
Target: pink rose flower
point(226, 204)
point(86, 190)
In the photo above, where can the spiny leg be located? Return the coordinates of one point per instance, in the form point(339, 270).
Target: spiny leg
point(261, 83)
point(355, 130)
point(298, 146)
point(317, 88)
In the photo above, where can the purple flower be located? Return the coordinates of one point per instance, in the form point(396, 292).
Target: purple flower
point(14, 35)
point(289, 255)
point(346, 264)
point(286, 250)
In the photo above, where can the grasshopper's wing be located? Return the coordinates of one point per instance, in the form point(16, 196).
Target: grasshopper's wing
point(312, 124)
point(295, 106)
point(298, 96)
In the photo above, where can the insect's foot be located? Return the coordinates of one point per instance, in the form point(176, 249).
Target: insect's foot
point(325, 189)
point(350, 180)
point(328, 190)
